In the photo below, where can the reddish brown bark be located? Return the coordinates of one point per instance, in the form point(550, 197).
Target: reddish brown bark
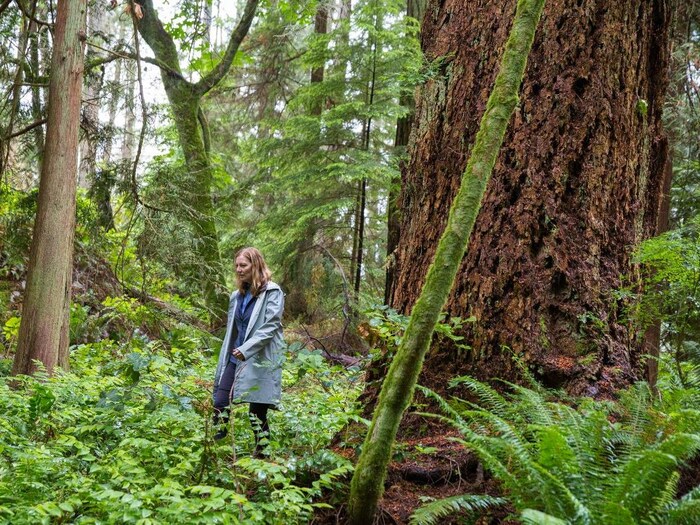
point(576, 187)
point(43, 334)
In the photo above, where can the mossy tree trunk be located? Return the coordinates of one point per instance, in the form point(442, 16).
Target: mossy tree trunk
point(397, 390)
point(574, 191)
point(43, 333)
point(185, 99)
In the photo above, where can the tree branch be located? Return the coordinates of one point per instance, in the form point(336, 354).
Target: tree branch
point(158, 39)
point(26, 129)
point(4, 5)
point(29, 15)
point(127, 55)
point(209, 80)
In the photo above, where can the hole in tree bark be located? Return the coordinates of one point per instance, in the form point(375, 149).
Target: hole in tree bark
point(580, 86)
point(536, 247)
point(559, 282)
point(575, 168)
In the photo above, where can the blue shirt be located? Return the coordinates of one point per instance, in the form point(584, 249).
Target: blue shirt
point(241, 318)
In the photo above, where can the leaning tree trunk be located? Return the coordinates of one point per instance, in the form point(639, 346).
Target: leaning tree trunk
point(43, 333)
point(575, 190)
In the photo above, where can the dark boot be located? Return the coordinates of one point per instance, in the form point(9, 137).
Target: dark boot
point(220, 421)
point(261, 428)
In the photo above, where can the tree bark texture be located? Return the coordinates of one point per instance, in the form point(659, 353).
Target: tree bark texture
point(43, 333)
point(367, 482)
point(575, 189)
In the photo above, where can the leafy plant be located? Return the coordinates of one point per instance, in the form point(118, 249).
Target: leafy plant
point(125, 437)
point(598, 462)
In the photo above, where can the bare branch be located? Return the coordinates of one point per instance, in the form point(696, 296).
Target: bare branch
point(127, 55)
point(26, 129)
point(215, 75)
point(4, 5)
point(27, 14)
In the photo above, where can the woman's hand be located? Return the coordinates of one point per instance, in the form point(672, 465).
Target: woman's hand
point(238, 354)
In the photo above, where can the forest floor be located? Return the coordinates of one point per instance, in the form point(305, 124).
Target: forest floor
point(426, 468)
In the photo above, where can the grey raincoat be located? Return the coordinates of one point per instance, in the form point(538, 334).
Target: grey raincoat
point(259, 378)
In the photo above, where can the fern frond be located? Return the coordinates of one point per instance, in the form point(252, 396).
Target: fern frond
point(490, 398)
point(643, 474)
point(555, 453)
point(682, 446)
point(581, 514)
point(636, 402)
point(504, 429)
point(684, 513)
point(444, 405)
point(666, 500)
point(532, 406)
point(613, 513)
point(470, 503)
point(693, 495)
point(535, 517)
point(492, 463)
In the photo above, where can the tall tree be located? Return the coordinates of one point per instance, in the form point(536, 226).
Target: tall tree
point(185, 98)
point(577, 187)
point(414, 9)
point(94, 82)
point(397, 390)
point(43, 333)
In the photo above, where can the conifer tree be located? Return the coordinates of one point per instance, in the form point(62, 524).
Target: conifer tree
point(43, 333)
point(397, 390)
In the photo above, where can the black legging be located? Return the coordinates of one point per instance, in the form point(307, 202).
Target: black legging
point(257, 411)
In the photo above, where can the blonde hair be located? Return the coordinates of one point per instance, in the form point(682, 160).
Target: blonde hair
point(260, 272)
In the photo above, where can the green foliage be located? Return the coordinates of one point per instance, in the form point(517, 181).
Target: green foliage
point(388, 326)
point(17, 212)
point(125, 437)
point(672, 295)
point(469, 504)
point(305, 148)
point(682, 119)
point(598, 462)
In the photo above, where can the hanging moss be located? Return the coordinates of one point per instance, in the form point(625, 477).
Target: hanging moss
point(397, 389)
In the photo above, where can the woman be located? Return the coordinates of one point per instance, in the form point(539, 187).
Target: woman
point(250, 362)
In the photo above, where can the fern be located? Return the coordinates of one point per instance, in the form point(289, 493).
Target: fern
point(601, 462)
point(686, 510)
point(491, 399)
point(470, 503)
point(535, 517)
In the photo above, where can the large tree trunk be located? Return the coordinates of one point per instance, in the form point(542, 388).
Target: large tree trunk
point(43, 333)
point(397, 389)
point(575, 190)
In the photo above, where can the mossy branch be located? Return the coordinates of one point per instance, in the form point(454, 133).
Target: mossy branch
point(399, 384)
point(158, 39)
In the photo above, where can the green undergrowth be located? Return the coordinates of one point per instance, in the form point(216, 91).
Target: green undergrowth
point(577, 461)
point(125, 437)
